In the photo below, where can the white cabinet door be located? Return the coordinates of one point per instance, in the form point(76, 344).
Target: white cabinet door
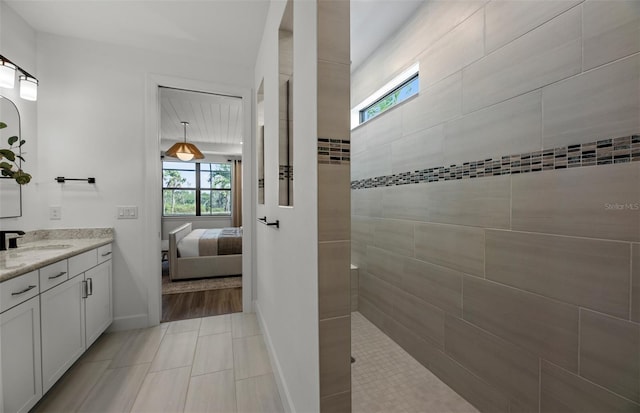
point(99, 313)
point(63, 334)
point(21, 374)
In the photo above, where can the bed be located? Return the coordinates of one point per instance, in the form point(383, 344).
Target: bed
point(224, 257)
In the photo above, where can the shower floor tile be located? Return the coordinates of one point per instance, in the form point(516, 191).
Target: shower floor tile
point(386, 379)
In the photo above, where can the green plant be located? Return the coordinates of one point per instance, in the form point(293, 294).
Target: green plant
point(8, 160)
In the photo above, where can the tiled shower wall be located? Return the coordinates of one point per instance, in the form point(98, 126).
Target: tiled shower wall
point(334, 219)
point(519, 286)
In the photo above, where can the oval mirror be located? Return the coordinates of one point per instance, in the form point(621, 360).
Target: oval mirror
point(10, 191)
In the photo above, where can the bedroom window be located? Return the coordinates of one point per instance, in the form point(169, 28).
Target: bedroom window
point(196, 189)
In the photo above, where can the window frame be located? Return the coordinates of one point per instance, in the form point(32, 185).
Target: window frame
point(198, 189)
point(406, 76)
point(361, 112)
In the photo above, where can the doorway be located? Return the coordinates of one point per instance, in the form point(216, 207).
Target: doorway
point(220, 161)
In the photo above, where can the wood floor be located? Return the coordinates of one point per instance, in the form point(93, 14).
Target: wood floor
point(201, 304)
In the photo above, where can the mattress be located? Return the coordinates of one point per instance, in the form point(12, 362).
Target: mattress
point(208, 242)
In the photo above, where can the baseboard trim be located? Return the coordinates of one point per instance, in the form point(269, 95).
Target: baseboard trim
point(129, 322)
point(285, 397)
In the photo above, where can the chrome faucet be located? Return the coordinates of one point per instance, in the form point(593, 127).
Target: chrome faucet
point(3, 240)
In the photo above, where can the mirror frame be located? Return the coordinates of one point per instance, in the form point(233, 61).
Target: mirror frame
point(3, 98)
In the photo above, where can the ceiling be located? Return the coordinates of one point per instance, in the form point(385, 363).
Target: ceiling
point(231, 30)
point(215, 121)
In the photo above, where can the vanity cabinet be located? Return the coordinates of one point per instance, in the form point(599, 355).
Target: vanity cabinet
point(48, 318)
point(20, 347)
point(63, 338)
point(75, 313)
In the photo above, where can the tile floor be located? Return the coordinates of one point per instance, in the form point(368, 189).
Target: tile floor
point(385, 378)
point(211, 364)
point(220, 364)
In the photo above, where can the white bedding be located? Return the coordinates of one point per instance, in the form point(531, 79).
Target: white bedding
point(189, 246)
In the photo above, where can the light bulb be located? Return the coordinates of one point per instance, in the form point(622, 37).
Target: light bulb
point(28, 88)
point(7, 74)
point(184, 156)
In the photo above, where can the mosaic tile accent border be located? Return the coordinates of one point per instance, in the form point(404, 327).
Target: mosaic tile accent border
point(286, 172)
point(334, 151)
point(261, 183)
point(602, 152)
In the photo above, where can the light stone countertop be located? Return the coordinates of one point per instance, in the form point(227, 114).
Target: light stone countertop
point(43, 249)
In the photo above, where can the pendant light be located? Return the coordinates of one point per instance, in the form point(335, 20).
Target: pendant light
point(183, 150)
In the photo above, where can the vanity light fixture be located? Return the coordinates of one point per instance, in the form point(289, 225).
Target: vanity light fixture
point(183, 150)
point(28, 83)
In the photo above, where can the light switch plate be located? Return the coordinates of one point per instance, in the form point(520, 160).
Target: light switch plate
point(127, 212)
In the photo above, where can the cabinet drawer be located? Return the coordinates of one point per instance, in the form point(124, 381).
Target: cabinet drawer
point(104, 253)
point(82, 262)
point(18, 290)
point(53, 274)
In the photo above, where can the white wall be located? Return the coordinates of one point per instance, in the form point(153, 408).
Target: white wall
point(287, 260)
point(91, 120)
point(18, 43)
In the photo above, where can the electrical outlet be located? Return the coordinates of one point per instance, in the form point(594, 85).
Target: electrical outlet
point(55, 212)
point(127, 212)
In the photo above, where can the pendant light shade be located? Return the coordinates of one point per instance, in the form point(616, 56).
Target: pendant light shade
point(183, 150)
point(7, 74)
point(28, 88)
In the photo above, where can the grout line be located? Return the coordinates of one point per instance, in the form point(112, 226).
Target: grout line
point(631, 282)
point(539, 384)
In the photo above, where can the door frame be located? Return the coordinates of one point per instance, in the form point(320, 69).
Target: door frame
point(153, 191)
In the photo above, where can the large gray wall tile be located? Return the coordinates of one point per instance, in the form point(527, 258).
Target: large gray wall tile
point(394, 235)
point(434, 105)
point(455, 50)
point(335, 354)
point(507, 367)
point(338, 403)
point(578, 201)
point(374, 161)
point(611, 31)
point(479, 202)
point(564, 392)
point(585, 272)
point(334, 259)
point(334, 119)
point(385, 265)
point(421, 350)
point(435, 284)
point(475, 390)
point(610, 353)
point(406, 202)
point(635, 282)
point(545, 55)
point(541, 325)
point(420, 150)
point(333, 31)
point(359, 141)
point(507, 20)
point(377, 292)
point(424, 319)
point(334, 207)
point(362, 228)
point(384, 128)
point(510, 127)
point(601, 103)
point(371, 311)
point(367, 202)
point(453, 246)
